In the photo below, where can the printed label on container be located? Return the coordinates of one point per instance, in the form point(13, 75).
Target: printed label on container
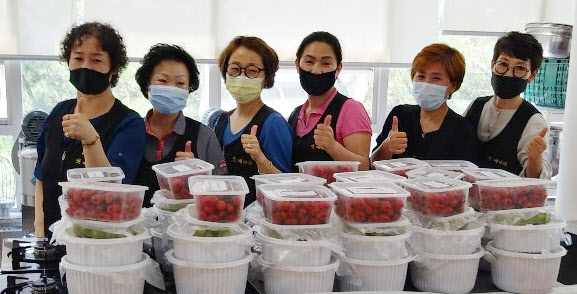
point(446, 164)
point(436, 185)
point(434, 174)
point(371, 190)
point(94, 174)
point(490, 175)
point(289, 180)
point(398, 164)
point(297, 194)
point(217, 186)
point(182, 168)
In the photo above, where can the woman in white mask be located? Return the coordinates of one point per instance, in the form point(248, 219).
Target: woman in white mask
point(167, 76)
point(429, 130)
point(256, 139)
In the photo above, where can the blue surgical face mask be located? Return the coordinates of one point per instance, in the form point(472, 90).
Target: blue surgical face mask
point(167, 99)
point(429, 96)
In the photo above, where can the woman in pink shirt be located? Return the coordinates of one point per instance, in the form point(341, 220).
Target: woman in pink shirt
point(328, 126)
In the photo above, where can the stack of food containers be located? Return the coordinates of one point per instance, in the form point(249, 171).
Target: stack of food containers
point(525, 247)
point(104, 243)
point(296, 238)
point(211, 247)
point(326, 169)
point(481, 174)
point(374, 236)
point(447, 239)
point(399, 166)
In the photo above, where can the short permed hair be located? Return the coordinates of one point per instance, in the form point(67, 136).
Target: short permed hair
point(159, 53)
point(521, 46)
point(452, 61)
point(110, 41)
point(268, 55)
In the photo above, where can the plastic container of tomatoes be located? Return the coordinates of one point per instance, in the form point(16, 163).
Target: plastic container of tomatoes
point(512, 193)
point(109, 174)
point(368, 176)
point(428, 172)
point(369, 202)
point(481, 174)
point(453, 165)
point(284, 178)
point(297, 204)
point(437, 196)
point(173, 176)
point(399, 166)
point(218, 198)
point(103, 201)
point(327, 169)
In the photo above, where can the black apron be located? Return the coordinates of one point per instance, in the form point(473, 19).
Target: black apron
point(147, 177)
point(501, 151)
point(238, 162)
point(304, 148)
point(60, 156)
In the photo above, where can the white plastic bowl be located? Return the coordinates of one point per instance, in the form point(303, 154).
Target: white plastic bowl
point(127, 279)
point(103, 252)
point(211, 249)
point(293, 253)
point(453, 274)
point(292, 279)
point(447, 242)
point(375, 247)
point(208, 278)
point(524, 272)
point(367, 275)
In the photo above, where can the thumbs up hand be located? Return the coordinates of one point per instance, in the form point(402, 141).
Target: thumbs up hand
point(251, 145)
point(537, 145)
point(397, 140)
point(78, 126)
point(324, 135)
point(187, 153)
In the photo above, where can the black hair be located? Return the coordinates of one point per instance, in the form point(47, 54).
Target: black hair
point(159, 53)
point(109, 38)
point(324, 37)
point(521, 46)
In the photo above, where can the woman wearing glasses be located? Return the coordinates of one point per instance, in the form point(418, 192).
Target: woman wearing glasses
point(256, 139)
point(328, 126)
point(510, 129)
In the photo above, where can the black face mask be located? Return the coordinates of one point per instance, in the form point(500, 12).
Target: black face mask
point(88, 81)
point(507, 87)
point(317, 85)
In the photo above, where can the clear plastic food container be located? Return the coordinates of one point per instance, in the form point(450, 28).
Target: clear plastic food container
point(437, 196)
point(428, 172)
point(327, 169)
point(369, 202)
point(368, 176)
point(454, 165)
point(399, 166)
point(161, 201)
point(109, 174)
point(173, 176)
point(297, 204)
point(103, 201)
point(512, 193)
point(284, 178)
point(218, 198)
point(481, 174)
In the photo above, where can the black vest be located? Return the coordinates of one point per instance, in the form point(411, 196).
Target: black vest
point(147, 177)
point(238, 162)
point(59, 156)
point(501, 151)
point(304, 148)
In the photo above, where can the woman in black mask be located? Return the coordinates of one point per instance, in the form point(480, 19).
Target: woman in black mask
point(95, 129)
point(510, 130)
point(328, 126)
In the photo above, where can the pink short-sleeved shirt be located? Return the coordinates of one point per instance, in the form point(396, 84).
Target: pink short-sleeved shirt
point(352, 112)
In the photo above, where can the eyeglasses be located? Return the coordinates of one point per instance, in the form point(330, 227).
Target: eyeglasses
point(519, 71)
point(251, 71)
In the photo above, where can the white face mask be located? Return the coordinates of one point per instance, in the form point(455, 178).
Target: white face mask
point(244, 89)
point(429, 96)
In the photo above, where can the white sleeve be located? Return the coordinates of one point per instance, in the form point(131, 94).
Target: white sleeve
point(535, 124)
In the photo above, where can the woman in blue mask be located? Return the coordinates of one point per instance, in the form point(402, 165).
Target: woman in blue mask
point(256, 139)
point(429, 130)
point(167, 75)
point(93, 130)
